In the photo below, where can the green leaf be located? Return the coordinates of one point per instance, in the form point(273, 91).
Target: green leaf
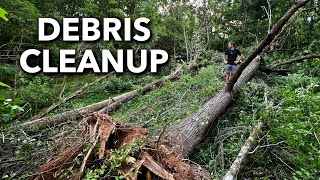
point(6, 117)
point(3, 14)
point(3, 84)
point(17, 101)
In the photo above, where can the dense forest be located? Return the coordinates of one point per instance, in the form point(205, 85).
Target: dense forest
point(183, 122)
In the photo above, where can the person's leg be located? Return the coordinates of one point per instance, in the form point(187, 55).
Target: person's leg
point(233, 70)
point(228, 70)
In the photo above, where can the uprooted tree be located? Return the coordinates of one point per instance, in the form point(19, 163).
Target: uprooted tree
point(162, 157)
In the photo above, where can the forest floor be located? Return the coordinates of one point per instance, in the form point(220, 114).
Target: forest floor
point(169, 105)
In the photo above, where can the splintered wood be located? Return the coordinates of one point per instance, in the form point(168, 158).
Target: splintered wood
point(104, 135)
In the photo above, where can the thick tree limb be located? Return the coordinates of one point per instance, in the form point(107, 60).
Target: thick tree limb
point(296, 60)
point(269, 71)
point(266, 41)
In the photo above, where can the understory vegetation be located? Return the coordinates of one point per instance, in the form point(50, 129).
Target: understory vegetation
point(288, 145)
point(283, 94)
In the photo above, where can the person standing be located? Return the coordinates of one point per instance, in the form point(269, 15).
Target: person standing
point(230, 59)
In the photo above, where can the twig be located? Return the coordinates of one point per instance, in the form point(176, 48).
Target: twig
point(162, 132)
point(2, 137)
point(283, 162)
point(63, 87)
point(78, 177)
point(68, 98)
point(263, 146)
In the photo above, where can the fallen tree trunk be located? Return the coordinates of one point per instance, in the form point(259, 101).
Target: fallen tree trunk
point(296, 60)
point(68, 98)
point(247, 146)
point(104, 106)
point(266, 41)
point(186, 135)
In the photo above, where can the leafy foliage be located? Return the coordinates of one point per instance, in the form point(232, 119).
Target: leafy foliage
point(9, 108)
point(3, 14)
point(296, 121)
point(119, 158)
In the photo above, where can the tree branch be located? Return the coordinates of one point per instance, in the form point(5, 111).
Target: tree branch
point(296, 60)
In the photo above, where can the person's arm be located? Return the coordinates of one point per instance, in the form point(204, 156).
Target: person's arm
point(225, 59)
point(241, 57)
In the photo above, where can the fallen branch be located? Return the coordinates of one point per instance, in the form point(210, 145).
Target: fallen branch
point(63, 87)
point(264, 146)
point(103, 106)
point(247, 146)
point(296, 60)
point(85, 159)
point(269, 70)
point(68, 98)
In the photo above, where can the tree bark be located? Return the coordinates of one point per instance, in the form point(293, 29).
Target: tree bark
point(296, 60)
point(247, 146)
point(267, 70)
point(266, 41)
point(185, 136)
point(104, 106)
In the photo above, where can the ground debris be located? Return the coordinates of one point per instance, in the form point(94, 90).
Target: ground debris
point(153, 161)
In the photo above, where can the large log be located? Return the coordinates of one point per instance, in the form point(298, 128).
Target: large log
point(103, 106)
point(187, 135)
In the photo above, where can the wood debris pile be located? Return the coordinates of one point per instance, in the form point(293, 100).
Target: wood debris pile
point(104, 135)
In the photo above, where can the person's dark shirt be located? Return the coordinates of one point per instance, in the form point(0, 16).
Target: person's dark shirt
point(232, 55)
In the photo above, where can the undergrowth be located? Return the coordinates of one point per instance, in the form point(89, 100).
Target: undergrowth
point(172, 102)
point(287, 147)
